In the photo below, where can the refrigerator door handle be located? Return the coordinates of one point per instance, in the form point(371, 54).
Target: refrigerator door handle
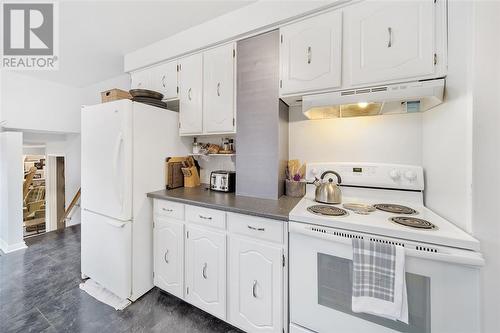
point(118, 189)
point(116, 224)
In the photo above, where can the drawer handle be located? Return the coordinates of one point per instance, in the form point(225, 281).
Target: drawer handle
point(204, 217)
point(389, 31)
point(163, 81)
point(218, 89)
point(256, 229)
point(204, 271)
point(167, 210)
point(165, 256)
point(309, 54)
point(254, 289)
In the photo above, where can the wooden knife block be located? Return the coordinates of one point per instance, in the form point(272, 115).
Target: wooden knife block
point(194, 179)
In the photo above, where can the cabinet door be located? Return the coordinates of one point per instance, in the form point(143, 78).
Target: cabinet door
point(206, 270)
point(218, 89)
point(169, 256)
point(190, 94)
point(256, 286)
point(311, 54)
point(140, 80)
point(390, 40)
point(164, 79)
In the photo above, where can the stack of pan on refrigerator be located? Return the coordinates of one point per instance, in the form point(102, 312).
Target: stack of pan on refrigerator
point(149, 97)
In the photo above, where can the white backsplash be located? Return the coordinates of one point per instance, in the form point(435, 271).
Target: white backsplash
point(212, 163)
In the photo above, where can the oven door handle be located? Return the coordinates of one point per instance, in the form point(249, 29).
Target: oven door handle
point(462, 257)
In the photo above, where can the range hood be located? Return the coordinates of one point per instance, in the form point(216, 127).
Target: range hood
point(387, 99)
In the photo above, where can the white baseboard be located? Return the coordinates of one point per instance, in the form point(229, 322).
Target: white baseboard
point(6, 248)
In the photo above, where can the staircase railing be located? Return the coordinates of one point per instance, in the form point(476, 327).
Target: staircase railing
point(70, 208)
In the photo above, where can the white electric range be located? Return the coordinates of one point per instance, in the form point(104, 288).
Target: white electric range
point(442, 261)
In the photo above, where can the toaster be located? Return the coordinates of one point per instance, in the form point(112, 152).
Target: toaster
point(223, 181)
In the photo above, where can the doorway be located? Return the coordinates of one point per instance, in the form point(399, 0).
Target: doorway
point(34, 198)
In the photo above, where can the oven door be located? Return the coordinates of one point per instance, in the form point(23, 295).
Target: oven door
point(443, 290)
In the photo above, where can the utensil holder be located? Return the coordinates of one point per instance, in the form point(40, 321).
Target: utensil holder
point(295, 189)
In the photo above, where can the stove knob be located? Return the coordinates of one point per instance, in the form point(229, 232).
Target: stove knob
point(410, 175)
point(395, 174)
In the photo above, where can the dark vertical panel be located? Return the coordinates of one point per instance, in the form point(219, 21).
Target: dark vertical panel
point(60, 194)
point(259, 134)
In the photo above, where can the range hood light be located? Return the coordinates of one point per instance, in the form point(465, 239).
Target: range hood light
point(360, 109)
point(323, 112)
point(344, 111)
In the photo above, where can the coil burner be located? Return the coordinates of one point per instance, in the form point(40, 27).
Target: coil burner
point(413, 222)
point(397, 209)
point(327, 210)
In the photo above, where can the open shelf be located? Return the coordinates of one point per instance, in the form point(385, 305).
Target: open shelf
point(195, 155)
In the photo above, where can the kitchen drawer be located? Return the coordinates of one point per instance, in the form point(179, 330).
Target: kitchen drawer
point(206, 216)
point(170, 209)
point(256, 227)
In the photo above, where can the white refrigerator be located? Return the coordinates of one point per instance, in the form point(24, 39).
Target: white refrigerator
point(124, 146)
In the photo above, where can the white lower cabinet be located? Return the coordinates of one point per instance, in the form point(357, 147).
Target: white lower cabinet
point(255, 285)
point(206, 270)
point(169, 256)
point(234, 271)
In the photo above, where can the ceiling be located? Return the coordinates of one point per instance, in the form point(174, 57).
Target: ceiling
point(95, 35)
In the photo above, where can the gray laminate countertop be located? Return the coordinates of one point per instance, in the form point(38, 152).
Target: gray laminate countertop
point(201, 196)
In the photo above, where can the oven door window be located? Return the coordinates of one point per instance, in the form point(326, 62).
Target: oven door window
point(335, 292)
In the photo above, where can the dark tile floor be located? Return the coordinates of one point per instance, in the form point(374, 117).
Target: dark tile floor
point(39, 293)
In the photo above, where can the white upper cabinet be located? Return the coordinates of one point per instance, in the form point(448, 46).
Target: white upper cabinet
point(218, 89)
point(256, 286)
point(389, 40)
point(191, 94)
point(310, 54)
point(164, 79)
point(169, 256)
point(141, 80)
point(206, 270)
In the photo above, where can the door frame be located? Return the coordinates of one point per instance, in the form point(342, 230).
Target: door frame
point(51, 191)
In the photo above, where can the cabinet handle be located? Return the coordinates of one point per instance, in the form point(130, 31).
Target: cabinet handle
point(204, 271)
point(309, 54)
point(163, 81)
point(204, 217)
point(254, 289)
point(218, 89)
point(256, 229)
point(165, 256)
point(389, 31)
point(189, 94)
point(167, 210)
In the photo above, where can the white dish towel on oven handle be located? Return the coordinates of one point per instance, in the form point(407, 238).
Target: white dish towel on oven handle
point(379, 283)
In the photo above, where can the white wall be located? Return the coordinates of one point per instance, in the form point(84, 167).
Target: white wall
point(32, 104)
point(11, 191)
point(385, 139)
point(447, 129)
point(486, 156)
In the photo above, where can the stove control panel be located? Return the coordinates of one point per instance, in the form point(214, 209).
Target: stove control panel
point(397, 176)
